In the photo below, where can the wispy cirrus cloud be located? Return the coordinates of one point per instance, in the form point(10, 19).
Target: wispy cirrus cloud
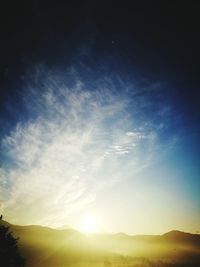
point(77, 141)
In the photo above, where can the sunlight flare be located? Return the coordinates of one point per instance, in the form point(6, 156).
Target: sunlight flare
point(89, 224)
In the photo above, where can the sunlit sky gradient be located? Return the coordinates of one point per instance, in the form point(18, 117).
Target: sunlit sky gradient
point(82, 137)
point(88, 147)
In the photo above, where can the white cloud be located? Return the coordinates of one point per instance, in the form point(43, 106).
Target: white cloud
point(73, 146)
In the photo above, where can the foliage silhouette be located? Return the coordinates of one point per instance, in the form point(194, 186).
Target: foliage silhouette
point(9, 254)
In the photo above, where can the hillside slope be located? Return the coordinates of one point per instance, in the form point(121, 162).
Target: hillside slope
point(44, 246)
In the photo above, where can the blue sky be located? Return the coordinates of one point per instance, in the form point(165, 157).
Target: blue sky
point(104, 145)
point(99, 114)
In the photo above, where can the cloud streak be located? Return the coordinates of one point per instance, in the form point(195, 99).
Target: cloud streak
point(78, 140)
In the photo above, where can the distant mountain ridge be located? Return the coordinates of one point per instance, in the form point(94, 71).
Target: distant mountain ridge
point(173, 235)
point(47, 247)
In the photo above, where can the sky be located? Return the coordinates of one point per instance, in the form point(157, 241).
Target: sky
point(99, 115)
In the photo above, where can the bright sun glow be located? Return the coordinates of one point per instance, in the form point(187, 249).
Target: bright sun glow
point(89, 224)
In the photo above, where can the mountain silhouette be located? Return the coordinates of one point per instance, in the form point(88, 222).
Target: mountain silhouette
point(43, 246)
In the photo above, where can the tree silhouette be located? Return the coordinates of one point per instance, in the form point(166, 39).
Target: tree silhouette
point(9, 254)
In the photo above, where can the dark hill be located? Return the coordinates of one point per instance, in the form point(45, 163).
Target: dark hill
point(182, 237)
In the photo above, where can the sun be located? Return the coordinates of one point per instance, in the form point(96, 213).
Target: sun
point(89, 224)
